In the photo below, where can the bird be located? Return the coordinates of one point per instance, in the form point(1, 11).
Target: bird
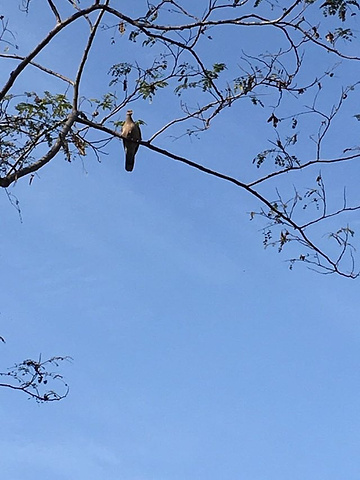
point(130, 131)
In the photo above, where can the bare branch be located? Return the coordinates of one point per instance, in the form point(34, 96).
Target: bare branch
point(33, 377)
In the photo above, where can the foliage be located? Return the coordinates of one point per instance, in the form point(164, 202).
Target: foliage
point(181, 65)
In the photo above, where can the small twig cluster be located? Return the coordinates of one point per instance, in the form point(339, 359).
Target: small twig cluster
point(34, 378)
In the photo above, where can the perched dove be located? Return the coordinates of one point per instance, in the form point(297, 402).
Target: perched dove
point(130, 131)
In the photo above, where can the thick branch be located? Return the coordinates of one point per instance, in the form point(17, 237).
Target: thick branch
point(286, 219)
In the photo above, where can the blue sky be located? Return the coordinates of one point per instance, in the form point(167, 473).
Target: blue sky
point(197, 353)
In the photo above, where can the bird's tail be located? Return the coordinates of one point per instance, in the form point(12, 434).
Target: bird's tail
point(129, 161)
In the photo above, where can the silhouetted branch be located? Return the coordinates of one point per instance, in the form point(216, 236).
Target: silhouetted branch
point(35, 379)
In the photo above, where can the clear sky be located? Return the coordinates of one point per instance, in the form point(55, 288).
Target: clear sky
point(198, 355)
